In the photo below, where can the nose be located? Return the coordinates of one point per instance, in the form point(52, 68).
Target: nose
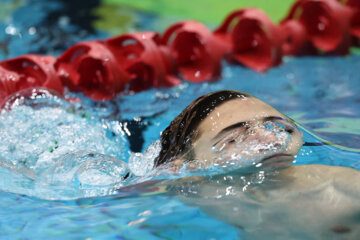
point(290, 127)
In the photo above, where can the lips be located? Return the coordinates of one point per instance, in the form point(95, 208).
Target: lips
point(277, 157)
point(279, 160)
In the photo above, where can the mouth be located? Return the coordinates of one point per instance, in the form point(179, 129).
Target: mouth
point(279, 160)
point(277, 157)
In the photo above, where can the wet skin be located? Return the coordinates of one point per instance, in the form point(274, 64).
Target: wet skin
point(299, 202)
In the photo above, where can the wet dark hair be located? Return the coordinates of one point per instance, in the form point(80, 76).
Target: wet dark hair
point(177, 138)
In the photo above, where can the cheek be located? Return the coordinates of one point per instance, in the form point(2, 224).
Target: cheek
point(202, 150)
point(296, 143)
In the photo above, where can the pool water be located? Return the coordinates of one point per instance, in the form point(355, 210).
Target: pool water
point(320, 94)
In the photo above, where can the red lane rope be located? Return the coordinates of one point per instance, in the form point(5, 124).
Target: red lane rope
point(188, 49)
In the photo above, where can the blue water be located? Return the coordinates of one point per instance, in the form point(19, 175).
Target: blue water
point(320, 94)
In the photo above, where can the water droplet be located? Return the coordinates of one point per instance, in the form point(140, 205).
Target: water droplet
point(32, 30)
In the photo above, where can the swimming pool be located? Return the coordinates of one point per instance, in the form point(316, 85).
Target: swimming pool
point(318, 93)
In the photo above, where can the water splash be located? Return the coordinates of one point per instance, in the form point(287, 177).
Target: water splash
point(142, 164)
point(44, 140)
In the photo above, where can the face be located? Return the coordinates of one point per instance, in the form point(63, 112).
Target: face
point(246, 132)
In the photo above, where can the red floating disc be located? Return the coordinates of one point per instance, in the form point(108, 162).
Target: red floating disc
point(255, 41)
point(197, 52)
point(28, 71)
point(327, 23)
point(142, 56)
point(294, 39)
point(355, 18)
point(91, 68)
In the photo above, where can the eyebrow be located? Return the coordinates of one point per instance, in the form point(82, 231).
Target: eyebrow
point(288, 127)
point(272, 118)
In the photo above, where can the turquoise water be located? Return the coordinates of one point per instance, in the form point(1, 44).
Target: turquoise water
point(149, 213)
point(320, 94)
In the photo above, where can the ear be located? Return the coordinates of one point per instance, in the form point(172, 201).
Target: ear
point(177, 164)
point(173, 166)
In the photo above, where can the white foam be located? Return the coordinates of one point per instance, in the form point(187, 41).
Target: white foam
point(141, 164)
point(56, 146)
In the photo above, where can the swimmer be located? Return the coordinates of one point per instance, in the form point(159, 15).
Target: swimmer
point(268, 198)
point(229, 126)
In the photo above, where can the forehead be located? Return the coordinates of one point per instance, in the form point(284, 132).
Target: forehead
point(235, 111)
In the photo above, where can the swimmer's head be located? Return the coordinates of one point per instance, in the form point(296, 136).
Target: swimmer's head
point(230, 127)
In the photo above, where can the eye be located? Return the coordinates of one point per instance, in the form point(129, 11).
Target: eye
point(228, 139)
point(289, 130)
point(284, 124)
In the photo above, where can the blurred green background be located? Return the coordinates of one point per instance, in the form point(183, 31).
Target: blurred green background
point(209, 11)
point(115, 14)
